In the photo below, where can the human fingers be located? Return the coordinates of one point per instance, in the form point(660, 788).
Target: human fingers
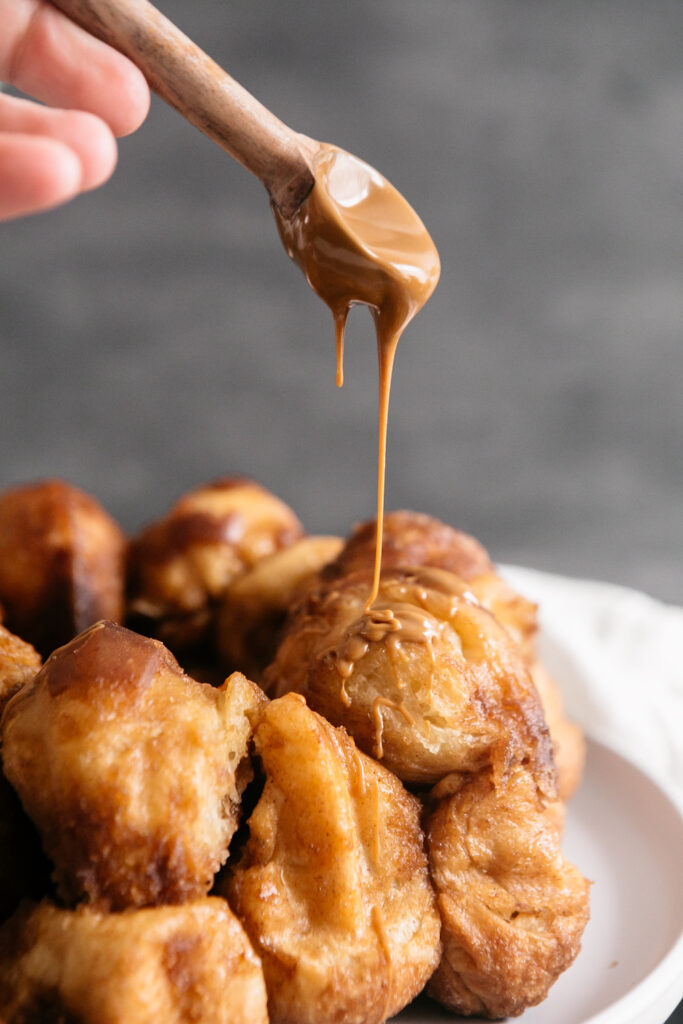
point(87, 136)
point(49, 57)
point(36, 173)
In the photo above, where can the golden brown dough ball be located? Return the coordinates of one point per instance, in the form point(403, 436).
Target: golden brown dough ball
point(411, 539)
point(426, 681)
point(180, 566)
point(167, 964)
point(131, 770)
point(513, 909)
point(332, 887)
point(23, 869)
point(61, 563)
point(255, 606)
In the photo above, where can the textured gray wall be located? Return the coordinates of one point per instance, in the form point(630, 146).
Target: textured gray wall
point(154, 335)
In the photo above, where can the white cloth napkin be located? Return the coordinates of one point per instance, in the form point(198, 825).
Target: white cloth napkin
point(618, 657)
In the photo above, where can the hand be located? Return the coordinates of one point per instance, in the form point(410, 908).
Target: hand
point(48, 156)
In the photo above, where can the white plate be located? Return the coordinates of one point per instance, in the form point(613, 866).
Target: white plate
point(625, 832)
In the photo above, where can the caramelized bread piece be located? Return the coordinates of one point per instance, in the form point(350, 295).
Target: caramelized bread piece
point(415, 539)
point(131, 770)
point(180, 566)
point(513, 909)
point(61, 563)
point(427, 681)
point(332, 887)
point(167, 964)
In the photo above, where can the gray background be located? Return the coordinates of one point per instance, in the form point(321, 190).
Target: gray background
point(154, 334)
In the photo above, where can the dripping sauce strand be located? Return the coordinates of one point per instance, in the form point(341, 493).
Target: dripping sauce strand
point(339, 328)
point(386, 352)
point(387, 343)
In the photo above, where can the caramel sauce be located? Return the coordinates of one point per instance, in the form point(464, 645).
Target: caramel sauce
point(386, 702)
point(414, 608)
point(358, 776)
point(379, 623)
point(358, 241)
point(364, 787)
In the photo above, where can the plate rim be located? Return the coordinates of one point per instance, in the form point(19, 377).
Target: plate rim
point(666, 979)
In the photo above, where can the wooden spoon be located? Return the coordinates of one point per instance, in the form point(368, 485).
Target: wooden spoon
point(191, 82)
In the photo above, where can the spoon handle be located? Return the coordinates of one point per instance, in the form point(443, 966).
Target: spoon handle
point(191, 82)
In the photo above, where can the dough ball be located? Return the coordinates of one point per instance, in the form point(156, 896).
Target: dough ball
point(513, 909)
point(131, 771)
point(415, 539)
point(426, 680)
point(167, 964)
point(180, 566)
point(332, 887)
point(61, 563)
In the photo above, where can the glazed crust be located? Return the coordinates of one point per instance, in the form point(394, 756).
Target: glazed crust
point(255, 605)
point(426, 681)
point(415, 539)
point(61, 563)
point(332, 887)
point(513, 908)
point(170, 964)
point(140, 794)
point(180, 566)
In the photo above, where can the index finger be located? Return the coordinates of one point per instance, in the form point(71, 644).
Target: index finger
point(49, 57)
